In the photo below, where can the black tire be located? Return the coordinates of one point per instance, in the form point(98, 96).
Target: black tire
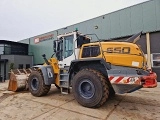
point(36, 84)
point(111, 92)
point(90, 88)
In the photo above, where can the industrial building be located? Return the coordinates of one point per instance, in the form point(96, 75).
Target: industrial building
point(116, 25)
point(13, 55)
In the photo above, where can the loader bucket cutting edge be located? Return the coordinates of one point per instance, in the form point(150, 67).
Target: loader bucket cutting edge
point(18, 79)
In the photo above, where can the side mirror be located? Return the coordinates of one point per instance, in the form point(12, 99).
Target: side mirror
point(54, 50)
point(54, 46)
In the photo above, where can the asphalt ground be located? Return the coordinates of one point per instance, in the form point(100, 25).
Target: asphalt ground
point(143, 104)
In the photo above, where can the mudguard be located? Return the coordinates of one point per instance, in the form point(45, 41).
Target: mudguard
point(48, 73)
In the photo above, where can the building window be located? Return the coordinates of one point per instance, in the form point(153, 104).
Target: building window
point(27, 66)
point(20, 66)
point(1, 49)
point(155, 59)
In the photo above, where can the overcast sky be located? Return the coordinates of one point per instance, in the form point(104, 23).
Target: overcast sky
point(21, 19)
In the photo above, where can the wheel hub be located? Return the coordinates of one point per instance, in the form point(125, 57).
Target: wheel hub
point(35, 83)
point(86, 89)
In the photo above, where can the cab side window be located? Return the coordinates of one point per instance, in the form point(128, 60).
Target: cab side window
point(68, 48)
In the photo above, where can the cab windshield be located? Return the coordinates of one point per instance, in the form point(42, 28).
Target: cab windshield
point(68, 46)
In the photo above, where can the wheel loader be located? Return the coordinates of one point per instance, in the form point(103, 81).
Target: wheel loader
point(92, 70)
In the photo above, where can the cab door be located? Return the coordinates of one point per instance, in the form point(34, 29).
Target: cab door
point(65, 50)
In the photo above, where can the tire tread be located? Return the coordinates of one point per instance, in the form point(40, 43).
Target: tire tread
point(104, 85)
point(43, 90)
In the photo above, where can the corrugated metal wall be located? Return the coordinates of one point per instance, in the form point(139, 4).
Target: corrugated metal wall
point(142, 17)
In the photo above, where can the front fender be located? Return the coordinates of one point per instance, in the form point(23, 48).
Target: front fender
point(47, 72)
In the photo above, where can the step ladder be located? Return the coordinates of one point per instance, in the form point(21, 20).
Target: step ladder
point(64, 83)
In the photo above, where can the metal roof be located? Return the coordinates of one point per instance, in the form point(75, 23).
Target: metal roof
point(11, 42)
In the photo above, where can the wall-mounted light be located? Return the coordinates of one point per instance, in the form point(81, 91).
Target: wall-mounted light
point(96, 27)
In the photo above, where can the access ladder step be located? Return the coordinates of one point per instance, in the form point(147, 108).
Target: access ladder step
point(64, 76)
point(64, 80)
point(65, 90)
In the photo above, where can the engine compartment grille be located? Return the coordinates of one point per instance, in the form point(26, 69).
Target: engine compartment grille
point(91, 51)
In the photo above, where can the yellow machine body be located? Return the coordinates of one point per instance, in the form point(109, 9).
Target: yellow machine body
point(119, 53)
point(94, 70)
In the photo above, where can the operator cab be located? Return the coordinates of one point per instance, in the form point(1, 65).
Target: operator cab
point(67, 47)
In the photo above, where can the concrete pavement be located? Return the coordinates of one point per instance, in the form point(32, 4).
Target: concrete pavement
point(143, 104)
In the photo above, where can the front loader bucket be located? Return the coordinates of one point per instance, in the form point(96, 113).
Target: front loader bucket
point(18, 79)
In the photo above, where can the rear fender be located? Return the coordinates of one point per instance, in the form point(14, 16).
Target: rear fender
point(47, 72)
point(77, 65)
point(98, 64)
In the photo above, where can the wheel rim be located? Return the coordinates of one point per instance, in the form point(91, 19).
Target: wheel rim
point(34, 83)
point(86, 89)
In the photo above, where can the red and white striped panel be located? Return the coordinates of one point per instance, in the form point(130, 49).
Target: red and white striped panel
point(126, 80)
